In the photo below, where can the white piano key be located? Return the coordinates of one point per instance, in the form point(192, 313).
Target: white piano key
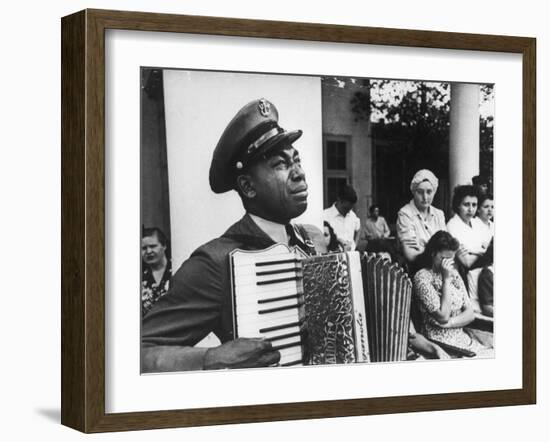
point(290, 354)
point(286, 331)
point(267, 301)
point(267, 316)
point(269, 290)
point(243, 309)
point(253, 269)
point(245, 259)
point(255, 328)
point(279, 342)
point(248, 280)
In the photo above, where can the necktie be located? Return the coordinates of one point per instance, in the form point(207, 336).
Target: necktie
point(294, 239)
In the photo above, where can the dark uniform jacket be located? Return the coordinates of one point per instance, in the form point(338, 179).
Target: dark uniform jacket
point(199, 299)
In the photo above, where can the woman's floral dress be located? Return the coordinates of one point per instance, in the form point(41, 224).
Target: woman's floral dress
point(428, 290)
point(151, 291)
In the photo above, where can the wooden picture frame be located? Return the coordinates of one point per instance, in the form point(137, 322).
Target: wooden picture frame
point(83, 219)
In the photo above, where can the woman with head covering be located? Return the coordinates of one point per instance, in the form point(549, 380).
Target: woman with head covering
point(418, 220)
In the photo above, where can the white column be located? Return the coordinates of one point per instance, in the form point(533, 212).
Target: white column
point(464, 134)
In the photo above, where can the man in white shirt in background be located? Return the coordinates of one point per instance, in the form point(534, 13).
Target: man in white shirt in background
point(343, 220)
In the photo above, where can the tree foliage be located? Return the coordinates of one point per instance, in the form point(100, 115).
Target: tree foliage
point(415, 115)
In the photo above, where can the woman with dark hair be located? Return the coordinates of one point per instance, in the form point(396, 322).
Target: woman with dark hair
point(330, 240)
point(485, 212)
point(466, 227)
point(444, 303)
point(156, 268)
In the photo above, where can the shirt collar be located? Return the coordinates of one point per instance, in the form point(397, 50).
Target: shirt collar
point(337, 212)
point(274, 230)
point(417, 212)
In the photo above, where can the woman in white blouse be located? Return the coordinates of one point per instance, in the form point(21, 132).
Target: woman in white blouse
point(485, 212)
point(469, 230)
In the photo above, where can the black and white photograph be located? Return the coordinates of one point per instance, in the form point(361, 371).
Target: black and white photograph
point(299, 220)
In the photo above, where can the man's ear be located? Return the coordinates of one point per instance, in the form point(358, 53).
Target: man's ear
point(246, 186)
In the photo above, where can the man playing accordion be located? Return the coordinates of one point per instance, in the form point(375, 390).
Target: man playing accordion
point(254, 157)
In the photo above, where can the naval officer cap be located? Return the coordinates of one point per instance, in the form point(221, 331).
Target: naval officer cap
point(252, 133)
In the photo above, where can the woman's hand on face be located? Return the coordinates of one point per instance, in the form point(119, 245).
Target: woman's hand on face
point(447, 267)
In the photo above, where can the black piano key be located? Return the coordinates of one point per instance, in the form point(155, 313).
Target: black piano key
point(296, 362)
point(275, 272)
point(283, 336)
point(290, 344)
point(277, 281)
point(279, 327)
point(278, 298)
point(282, 261)
point(278, 309)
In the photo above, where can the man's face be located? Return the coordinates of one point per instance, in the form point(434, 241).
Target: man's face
point(152, 251)
point(279, 186)
point(344, 206)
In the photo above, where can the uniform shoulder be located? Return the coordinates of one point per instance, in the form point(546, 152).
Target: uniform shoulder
point(315, 235)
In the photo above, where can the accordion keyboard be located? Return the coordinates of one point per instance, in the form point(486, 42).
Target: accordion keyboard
point(267, 300)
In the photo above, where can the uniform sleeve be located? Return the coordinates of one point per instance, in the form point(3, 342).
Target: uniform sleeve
point(192, 307)
point(428, 295)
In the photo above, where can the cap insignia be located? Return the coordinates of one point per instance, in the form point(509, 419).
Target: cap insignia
point(264, 107)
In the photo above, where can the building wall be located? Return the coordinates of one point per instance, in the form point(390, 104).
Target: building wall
point(338, 119)
point(154, 183)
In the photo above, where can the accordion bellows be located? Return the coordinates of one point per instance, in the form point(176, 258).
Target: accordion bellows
point(388, 293)
point(328, 309)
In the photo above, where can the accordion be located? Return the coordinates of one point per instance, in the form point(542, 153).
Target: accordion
point(328, 309)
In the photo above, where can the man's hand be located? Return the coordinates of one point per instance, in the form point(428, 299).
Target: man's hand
point(241, 353)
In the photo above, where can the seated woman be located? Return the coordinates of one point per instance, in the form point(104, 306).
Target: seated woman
point(377, 234)
point(466, 227)
point(473, 236)
point(440, 292)
point(418, 220)
point(485, 213)
point(156, 267)
point(329, 239)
